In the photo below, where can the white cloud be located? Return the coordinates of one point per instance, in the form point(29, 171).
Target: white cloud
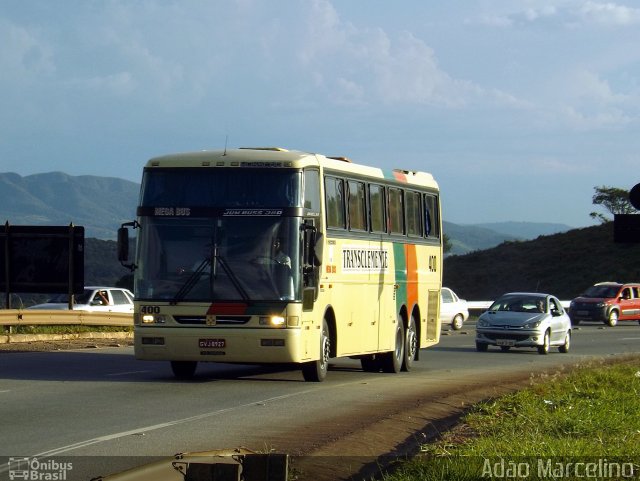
point(610, 14)
point(24, 57)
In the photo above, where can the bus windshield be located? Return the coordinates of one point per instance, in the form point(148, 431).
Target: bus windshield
point(219, 259)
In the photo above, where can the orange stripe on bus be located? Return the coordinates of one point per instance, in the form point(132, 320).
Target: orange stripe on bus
point(412, 275)
point(399, 176)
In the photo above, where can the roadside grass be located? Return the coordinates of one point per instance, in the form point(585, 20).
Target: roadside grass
point(590, 415)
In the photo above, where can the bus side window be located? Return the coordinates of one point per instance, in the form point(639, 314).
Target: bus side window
point(414, 217)
point(431, 216)
point(334, 199)
point(357, 206)
point(396, 211)
point(377, 203)
point(311, 192)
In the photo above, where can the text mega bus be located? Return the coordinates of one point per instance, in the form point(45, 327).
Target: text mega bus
point(265, 255)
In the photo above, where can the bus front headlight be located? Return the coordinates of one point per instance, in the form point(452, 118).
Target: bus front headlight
point(153, 319)
point(272, 321)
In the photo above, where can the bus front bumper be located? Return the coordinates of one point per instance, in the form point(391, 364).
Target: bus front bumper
point(243, 345)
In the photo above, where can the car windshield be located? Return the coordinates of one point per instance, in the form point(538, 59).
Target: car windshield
point(598, 292)
point(519, 304)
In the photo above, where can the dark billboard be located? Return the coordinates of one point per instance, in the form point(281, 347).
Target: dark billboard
point(47, 259)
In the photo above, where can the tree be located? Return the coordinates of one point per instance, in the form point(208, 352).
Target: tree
point(446, 243)
point(614, 200)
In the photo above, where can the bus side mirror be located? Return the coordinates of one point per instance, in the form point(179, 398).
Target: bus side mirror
point(123, 244)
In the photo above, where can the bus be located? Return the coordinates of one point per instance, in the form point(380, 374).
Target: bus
point(268, 255)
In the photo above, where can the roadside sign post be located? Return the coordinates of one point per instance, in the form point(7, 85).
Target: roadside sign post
point(626, 227)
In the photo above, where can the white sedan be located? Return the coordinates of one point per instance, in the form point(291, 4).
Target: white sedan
point(93, 299)
point(453, 310)
point(524, 319)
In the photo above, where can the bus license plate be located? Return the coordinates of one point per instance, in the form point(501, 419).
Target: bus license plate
point(505, 342)
point(215, 343)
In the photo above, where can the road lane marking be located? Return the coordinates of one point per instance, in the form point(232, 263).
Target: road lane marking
point(126, 373)
point(111, 437)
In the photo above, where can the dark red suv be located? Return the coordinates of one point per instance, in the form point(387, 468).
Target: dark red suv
point(608, 302)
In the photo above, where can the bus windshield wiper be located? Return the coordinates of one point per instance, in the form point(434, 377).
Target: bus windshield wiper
point(195, 277)
point(191, 281)
point(234, 279)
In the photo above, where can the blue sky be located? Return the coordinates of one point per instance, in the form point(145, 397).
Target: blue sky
point(519, 109)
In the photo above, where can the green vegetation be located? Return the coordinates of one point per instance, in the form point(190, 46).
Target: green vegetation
point(68, 329)
point(591, 415)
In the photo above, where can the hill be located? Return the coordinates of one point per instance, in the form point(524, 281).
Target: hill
point(562, 264)
point(100, 204)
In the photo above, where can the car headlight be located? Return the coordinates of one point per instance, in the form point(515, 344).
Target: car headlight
point(531, 324)
point(483, 323)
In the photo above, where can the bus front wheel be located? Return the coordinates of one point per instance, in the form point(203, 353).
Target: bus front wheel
point(184, 369)
point(316, 371)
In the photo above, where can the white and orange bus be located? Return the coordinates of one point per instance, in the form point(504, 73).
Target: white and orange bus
point(265, 255)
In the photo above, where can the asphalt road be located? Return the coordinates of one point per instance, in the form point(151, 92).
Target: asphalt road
point(104, 406)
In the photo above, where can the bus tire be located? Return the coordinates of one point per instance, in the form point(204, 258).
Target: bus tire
point(410, 345)
point(316, 371)
point(392, 361)
point(184, 369)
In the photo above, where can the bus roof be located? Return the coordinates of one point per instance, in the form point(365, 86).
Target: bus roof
point(279, 157)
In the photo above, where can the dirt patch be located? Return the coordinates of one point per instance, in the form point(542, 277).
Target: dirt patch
point(384, 437)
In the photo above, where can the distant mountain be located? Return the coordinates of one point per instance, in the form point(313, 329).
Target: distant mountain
point(525, 230)
point(468, 238)
point(100, 204)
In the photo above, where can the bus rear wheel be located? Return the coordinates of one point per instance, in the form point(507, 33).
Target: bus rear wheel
point(184, 369)
point(392, 361)
point(410, 345)
point(316, 371)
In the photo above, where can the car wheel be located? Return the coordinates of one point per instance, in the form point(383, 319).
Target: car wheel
point(567, 343)
point(544, 349)
point(410, 345)
point(482, 347)
point(612, 320)
point(184, 369)
point(456, 322)
point(392, 361)
point(316, 371)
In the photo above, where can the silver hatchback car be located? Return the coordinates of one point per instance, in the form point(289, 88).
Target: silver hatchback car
point(524, 319)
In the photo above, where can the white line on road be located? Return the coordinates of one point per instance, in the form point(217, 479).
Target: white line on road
point(111, 437)
point(126, 373)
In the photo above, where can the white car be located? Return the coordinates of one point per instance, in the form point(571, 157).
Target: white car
point(93, 299)
point(524, 319)
point(453, 310)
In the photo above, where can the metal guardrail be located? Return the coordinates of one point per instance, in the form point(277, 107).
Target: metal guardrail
point(22, 317)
